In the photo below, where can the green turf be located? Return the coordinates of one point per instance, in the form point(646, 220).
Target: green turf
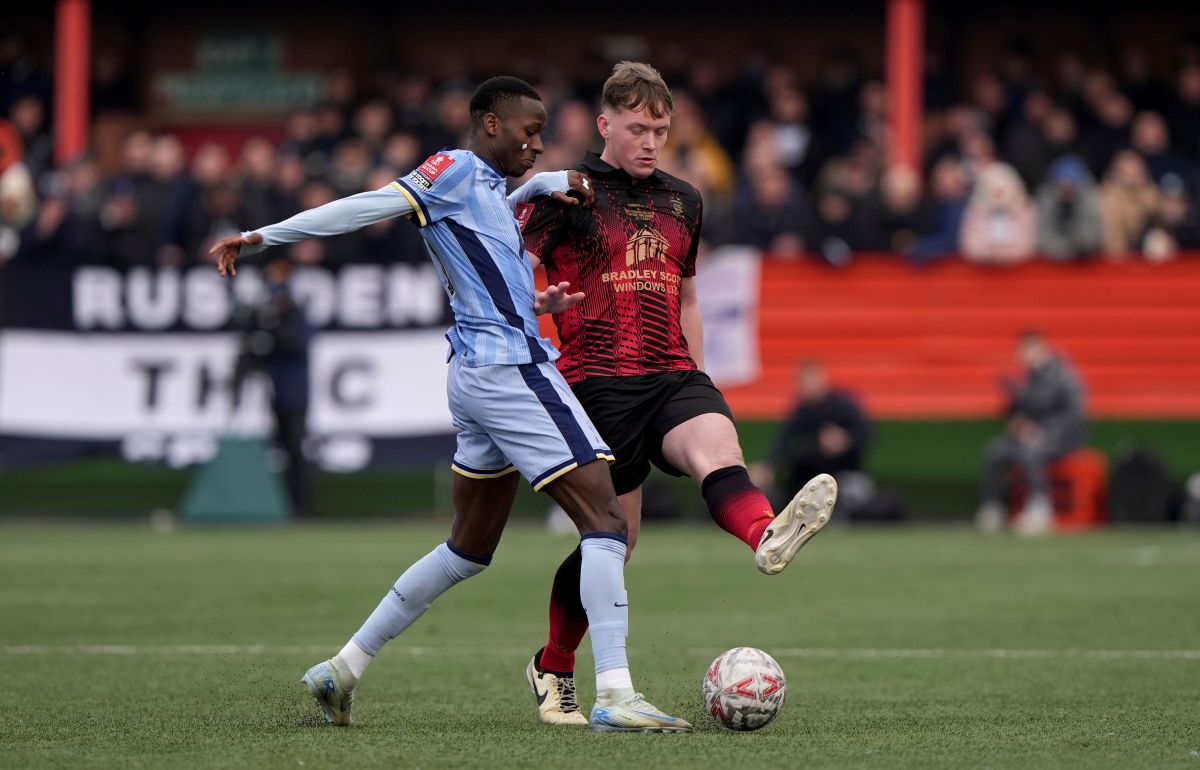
point(883, 635)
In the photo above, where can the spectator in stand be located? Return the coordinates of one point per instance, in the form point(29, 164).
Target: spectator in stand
point(1062, 138)
point(1175, 225)
point(978, 152)
point(827, 432)
point(573, 134)
point(771, 213)
point(1150, 140)
point(796, 145)
point(1025, 144)
point(1128, 199)
point(1183, 116)
point(132, 236)
point(949, 187)
point(693, 154)
point(1069, 221)
point(1110, 132)
point(28, 116)
point(834, 235)
point(350, 166)
point(114, 87)
point(896, 214)
point(990, 100)
point(1070, 74)
point(213, 203)
point(290, 177)
point(1138, 81)
point(66, 229)
point(302, 137)
point(1000, 223)
point(872, 114)
point(372, 125)
point(403, 150)
point(257, 167)
point(169, 194)
point(18, 200)
point(331, 129)
point(836, 100)
point(1046, 422)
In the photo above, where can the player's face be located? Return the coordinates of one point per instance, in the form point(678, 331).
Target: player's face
point(519, 138)
point(633, 139)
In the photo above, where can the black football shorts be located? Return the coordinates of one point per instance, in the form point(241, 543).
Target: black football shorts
point(633, 414)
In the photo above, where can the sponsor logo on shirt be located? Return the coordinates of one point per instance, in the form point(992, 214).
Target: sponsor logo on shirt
point(420, 180)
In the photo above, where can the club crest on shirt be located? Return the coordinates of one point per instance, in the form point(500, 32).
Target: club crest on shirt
point(434, 165)
point(646, 243)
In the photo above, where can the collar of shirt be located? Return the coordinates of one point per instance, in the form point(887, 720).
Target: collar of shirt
point(494, 178)
point(596, 166)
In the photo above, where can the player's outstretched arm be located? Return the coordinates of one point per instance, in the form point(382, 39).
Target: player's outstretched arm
point(572, 188)
point(334, 218)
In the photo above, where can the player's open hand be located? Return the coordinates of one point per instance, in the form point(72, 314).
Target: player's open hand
point(555, 299)
point(581, 192)
point(227, 250)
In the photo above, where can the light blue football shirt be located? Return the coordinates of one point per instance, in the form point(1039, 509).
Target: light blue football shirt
point(468, 224)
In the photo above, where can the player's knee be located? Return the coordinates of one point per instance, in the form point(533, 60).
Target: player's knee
point(613, 520)
point(460, 564)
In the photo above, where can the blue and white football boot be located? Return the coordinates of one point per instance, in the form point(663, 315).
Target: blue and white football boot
point(332, 686)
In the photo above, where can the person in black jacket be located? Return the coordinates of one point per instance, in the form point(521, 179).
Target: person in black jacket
point(276, 337)
point(827, 432)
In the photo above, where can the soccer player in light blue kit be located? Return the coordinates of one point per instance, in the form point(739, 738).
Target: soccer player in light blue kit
point(513, 409)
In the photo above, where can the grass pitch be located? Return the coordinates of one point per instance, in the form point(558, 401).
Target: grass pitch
point(913, 647)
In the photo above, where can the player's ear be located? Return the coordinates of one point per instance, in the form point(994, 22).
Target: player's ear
point(491, 124)
point(602, 125)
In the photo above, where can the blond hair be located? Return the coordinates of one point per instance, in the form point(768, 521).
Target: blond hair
point(634, 85)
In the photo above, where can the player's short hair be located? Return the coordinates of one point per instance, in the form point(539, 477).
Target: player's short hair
point(634, 85)
point(495, 93)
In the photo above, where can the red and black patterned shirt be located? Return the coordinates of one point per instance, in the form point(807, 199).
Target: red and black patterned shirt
point(629, 254)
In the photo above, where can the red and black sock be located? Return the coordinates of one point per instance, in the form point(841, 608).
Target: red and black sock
point(738, 507)
point(568, 620)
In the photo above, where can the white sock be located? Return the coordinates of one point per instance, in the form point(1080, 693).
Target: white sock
point(355, 658)
point(613, 685)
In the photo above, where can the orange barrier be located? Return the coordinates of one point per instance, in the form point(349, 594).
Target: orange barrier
point(934, 342)
point(1078, 490)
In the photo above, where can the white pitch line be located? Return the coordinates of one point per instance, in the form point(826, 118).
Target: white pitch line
point(833, 653)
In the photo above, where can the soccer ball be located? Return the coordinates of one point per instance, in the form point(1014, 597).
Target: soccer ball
point(744, 689)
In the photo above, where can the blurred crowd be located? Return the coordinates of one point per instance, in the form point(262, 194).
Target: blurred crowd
point(1072, 161)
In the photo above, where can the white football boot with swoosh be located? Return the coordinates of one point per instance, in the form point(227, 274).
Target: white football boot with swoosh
point(555, 694)
point(802, 518)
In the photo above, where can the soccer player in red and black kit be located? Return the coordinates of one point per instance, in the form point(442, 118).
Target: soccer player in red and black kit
point(632, 353)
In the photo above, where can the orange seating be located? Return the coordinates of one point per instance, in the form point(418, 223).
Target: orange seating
point(1078, 489)
point(931, 343)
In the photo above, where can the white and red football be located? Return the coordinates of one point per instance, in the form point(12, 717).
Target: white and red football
point(744, 689)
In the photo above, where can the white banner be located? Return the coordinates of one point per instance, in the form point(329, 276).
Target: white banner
point(148, 390)
point(727, 283)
